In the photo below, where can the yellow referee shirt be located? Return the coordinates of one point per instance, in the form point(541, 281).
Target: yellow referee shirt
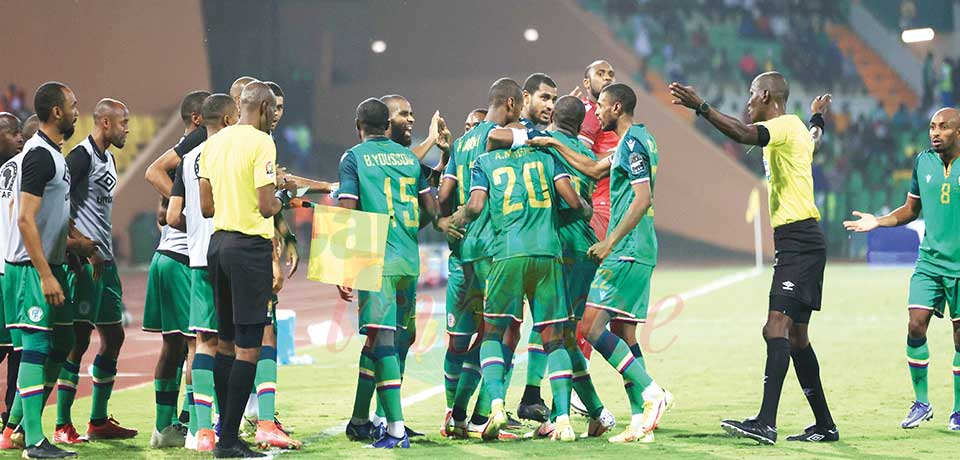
point(788, 162)
point(238, 160)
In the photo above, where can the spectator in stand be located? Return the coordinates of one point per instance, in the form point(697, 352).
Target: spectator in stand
point(946, 83)
point(748, 66)
point(929, 81)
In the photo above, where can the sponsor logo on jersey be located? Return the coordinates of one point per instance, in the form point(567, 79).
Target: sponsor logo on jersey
point(270, 168)
point(788, 285)
point(928, 178)
point(107, 181)
point(637, 165)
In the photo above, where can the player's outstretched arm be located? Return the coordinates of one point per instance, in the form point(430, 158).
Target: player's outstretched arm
point(593, 168)
point(158, 172)
point(900, 216)
point(642, 199)
point(731, 127)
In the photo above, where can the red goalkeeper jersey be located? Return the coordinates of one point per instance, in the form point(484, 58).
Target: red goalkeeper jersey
point(603, 144)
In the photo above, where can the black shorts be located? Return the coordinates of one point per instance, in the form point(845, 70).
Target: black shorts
point(801, 255)
point(241, 274)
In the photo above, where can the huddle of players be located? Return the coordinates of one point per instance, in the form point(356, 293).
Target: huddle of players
point(514, 203)
point(59, 280)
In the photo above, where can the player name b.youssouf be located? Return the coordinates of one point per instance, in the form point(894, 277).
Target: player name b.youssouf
point(388, 159)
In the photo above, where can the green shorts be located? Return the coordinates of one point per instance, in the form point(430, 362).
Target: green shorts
point(465, 295)
point(578, 272)
point(27, 305)
point(97, 301)
point(203, 312)
point(10, 311)
point(934, 292)
point(538, 278)
point(5, 339)
point(167, 305)
point(393, 306)
point(623, 289)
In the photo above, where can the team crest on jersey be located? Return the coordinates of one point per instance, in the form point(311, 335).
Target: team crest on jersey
point(83, 307)
point(35, 314)
point(7, 176)
point(451, 320)
point(107, 181)
point(637, 165)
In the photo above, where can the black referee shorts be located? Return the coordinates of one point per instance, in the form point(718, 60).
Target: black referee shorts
point(801, 255)
point(241, 273)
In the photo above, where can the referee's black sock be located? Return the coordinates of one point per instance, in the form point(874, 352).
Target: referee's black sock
point(222, 365)
point(808, 374)
point(241, 382)
point(778, 360)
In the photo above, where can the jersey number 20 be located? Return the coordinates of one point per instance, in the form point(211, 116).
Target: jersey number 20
point(536, 200)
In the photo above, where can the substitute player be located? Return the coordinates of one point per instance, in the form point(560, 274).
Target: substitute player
point(798, 240)
point(469, 268)
point(35, 277)
point(522, 184)
point(935, 283)
point(620, 292)
point(11, 142)
point(95, 288)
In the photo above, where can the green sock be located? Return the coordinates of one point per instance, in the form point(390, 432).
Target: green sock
point(492, 366)
point(452, 371)
point(508, 363)
point(16, 410)
point(918, 358)
point(175, 420)
point(166, 399)
point(618, 354)
point(192, 423)
point(469, 380)
point(366, 385)
point(582, 382)
point(387, 374)
point(536, 360)
point(634, 394)
point(67, 391)
point(561, 375)
point(36, 345)
point(104, 371)
point(203, 392)
point(956, 380)
point(266, 383)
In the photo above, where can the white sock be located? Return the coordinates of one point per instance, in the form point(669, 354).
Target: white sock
point(562, 419)
point(395, 429)
point(636, 421)
point(378, 420)
point(358, 421)
point(253, 406)
point(652, 391)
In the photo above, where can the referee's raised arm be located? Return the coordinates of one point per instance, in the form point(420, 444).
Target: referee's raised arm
point(238, 188)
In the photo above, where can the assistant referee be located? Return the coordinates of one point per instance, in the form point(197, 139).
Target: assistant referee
point(238, 189)
point(801, 250)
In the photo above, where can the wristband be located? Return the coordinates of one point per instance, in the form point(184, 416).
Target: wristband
point(284, 196)
point(817, 120)
point(519, 137)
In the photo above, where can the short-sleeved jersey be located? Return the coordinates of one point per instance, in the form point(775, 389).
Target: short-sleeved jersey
point(385, 177)
point(575, 232)
point(938, 188)
point(521, 200)
point(634, 162)
point(788, 162)
point(477, 242)
point(199, 228)
point(237, 161)
point(602, 143)
point(44, 174)
point(9, 193)
point(93, 177)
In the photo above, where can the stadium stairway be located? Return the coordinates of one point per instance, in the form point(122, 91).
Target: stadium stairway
point(881, 81)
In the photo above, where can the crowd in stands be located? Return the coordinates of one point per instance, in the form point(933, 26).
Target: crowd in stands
point(13, 99)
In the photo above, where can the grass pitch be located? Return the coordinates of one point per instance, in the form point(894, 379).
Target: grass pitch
point(708, 352)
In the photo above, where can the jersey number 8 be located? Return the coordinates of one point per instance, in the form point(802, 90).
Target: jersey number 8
point(945, 193)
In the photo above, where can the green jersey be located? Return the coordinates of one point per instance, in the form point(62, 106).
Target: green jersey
point(521, 200)
point(634, 162)
point(938, 188)
point(476, 244)
point(385, 177)
point(575, 232)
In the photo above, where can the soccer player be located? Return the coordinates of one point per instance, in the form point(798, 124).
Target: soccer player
point(35, 259)
point(526, 256)
point(219, 111)
point(620, 292)
point(800, 246)
point(11, 142)
point(376, 166)
point(473, 119)
point(597, 76)
point(30, 127)
point(95, 286)
point(469, 268)
point(576, 238)
point(167, 302)
point(238, 188)
point(934, 283)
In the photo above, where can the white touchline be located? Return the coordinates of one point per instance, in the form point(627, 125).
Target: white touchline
point(717, 284)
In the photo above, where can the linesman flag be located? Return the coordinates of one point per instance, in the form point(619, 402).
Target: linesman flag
point(347, 248)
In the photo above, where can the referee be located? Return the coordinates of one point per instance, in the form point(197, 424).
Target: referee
point(238, 190)
point(801, 251)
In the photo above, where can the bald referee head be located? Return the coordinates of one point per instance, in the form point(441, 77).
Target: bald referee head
point(258, 106)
